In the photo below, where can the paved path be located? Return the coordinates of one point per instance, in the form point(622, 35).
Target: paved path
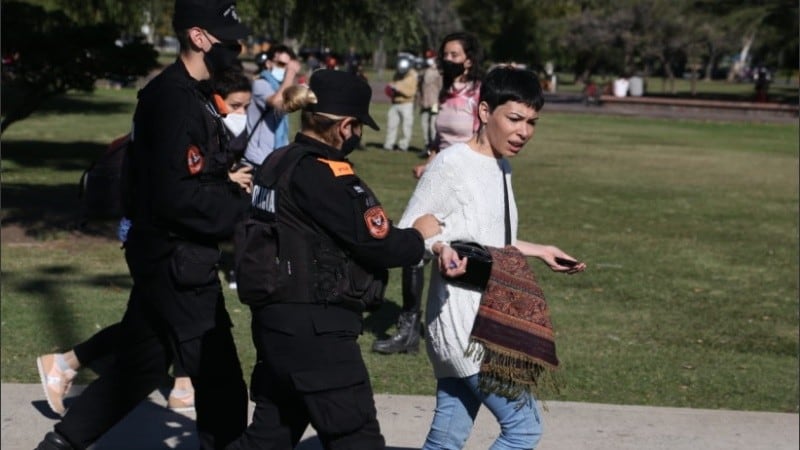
point(405, 420)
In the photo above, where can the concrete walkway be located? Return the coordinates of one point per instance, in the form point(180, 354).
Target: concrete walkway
point(405, 420)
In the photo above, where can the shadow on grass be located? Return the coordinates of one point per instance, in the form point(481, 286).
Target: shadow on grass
point(47, 284)
point(378, 322)
point(50, 156)
point(45, 209)
point(71, 104)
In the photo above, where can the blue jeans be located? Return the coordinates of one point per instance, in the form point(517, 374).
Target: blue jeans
point(457, 404)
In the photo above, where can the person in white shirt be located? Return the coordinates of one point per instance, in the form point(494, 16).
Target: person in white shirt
point(463, 187)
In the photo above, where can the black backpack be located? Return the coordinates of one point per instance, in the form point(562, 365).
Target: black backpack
point(99, 186)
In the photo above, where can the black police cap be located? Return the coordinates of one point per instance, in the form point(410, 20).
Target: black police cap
point(219, 17)
point(343, 94)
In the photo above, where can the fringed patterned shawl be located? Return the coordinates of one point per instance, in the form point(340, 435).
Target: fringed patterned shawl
point(513, 325)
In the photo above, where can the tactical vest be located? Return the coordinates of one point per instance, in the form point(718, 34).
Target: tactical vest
point(283, 256)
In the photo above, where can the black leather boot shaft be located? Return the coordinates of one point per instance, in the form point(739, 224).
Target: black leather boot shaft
point(413, 282)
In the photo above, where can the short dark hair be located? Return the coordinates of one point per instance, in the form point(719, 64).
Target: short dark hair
point(505, 83)
point(183, 39)
point(280, 48)
point(231, 80)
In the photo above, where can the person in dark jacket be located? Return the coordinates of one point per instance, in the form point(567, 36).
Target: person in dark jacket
point(182, 203)
point(336, 244)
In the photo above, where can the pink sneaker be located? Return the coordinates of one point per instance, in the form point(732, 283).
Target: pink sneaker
point(181, 401)
point(56, 382)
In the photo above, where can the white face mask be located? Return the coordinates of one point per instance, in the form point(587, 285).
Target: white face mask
point(431, 62)
point(278, 73)
point(235, 123)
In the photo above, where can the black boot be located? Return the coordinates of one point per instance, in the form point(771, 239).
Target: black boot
point(407, 338)
point(54, 441)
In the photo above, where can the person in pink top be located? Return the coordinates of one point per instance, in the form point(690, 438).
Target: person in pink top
point(461, 65)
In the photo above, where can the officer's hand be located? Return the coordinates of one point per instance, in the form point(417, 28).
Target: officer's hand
point(243, 177)
point(427, 226)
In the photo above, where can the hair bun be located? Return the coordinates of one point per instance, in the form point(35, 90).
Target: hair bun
point(298, 97)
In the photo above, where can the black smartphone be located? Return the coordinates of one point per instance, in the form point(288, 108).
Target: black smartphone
point(566, 262)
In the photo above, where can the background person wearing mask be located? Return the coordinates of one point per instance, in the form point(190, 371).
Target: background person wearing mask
point(267, 124)
point(431, 85)
point(461, 60)
point(402, 92)
point(181, 204)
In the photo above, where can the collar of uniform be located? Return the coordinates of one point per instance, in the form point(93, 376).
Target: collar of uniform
point(319, 148)
point(181, 67)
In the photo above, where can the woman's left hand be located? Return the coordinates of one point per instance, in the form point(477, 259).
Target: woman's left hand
point(552, 256)
point(560, 261)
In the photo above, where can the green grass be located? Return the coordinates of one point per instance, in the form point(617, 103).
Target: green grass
point(690, 231)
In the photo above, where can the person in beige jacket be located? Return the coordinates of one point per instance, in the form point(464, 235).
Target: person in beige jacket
point(402, 92)
point(431, 81)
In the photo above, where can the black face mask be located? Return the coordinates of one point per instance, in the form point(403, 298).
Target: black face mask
point(350, 144)
point(222, 56)
point(451, 70)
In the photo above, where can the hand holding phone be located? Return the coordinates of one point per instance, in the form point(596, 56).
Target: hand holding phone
point(565, 262)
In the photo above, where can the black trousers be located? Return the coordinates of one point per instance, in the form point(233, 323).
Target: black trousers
point(310, 371)
point(150, 336)
point(103, 344)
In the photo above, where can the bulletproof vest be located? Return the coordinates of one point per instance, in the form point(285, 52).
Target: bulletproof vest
point(305, 264)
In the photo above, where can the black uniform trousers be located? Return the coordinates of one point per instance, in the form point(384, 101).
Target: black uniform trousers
point(310, 370)
point(147, 343)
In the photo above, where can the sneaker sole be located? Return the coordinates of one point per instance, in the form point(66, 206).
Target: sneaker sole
point(183, 409)
point(43, 379)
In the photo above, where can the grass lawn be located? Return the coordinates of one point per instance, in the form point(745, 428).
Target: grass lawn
point(690, 231)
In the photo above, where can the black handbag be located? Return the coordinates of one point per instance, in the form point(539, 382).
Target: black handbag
point(479, 260)
point(479, 265)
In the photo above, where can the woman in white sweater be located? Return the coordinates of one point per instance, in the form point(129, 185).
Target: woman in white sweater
point(463, 188)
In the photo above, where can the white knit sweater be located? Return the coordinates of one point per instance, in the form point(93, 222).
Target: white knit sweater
point(464, 190)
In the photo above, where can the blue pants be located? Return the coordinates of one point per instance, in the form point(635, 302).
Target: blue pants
point(457, 404)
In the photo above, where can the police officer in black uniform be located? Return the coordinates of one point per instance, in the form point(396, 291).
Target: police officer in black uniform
point(335, 244)
point(182, 204)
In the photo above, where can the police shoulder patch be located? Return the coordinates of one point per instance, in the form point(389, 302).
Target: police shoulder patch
point(377, 223)
point(339, 168)
point(194, 159)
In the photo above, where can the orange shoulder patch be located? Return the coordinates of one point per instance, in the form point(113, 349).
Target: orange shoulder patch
point(339, 168)
point(194, 160)
point(377, 223)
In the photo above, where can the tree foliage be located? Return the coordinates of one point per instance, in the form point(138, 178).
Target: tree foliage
point(46, 54)
point(674, 36)
point(336, 24)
